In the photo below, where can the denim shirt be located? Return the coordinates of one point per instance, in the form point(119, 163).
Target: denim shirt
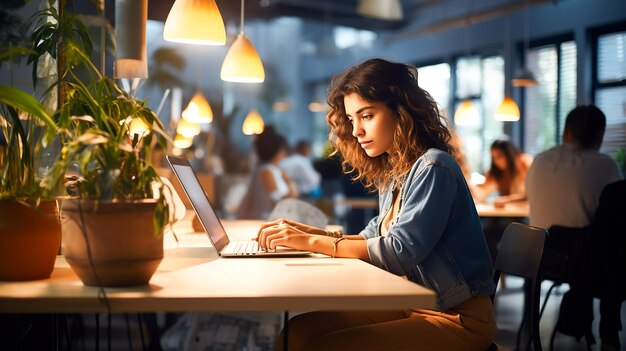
point(437, 239)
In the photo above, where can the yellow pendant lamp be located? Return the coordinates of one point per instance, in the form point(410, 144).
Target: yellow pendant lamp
point(198, 110)
point(253, 124)
point(182, 142)
point(195, 22)
point(242, 63)
point(507, 111)
point(187, 129)
point(466, 114)
point(138, 126)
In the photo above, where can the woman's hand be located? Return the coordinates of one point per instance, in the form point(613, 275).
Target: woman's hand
point(283, 232)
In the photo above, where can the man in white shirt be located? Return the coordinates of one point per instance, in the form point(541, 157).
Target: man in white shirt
point(563, 186)
point(564, 183)
point(299, 168)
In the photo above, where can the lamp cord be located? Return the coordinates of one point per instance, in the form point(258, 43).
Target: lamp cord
point(242, 23)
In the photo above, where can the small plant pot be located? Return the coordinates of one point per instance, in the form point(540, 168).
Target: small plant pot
point(111, 244)
point(29, 240)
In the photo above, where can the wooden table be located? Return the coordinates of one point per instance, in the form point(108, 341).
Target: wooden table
point(510, 210)
point(192, 278)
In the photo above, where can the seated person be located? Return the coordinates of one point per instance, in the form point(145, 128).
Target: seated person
point(268, 184)
point(299, 168)
point(506, 175)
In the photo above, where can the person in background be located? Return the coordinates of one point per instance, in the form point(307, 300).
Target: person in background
point(268, 183)
point(564, 185)
point(506, 175)
point(390, 133)
point(299, 168)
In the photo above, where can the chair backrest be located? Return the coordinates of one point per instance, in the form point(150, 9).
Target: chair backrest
point(520, 254)
point(299, 211)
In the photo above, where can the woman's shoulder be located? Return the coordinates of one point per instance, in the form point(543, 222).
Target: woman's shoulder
point(435, 158)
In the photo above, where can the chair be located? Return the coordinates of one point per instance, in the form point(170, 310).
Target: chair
point(299, 211)
point(520, 254)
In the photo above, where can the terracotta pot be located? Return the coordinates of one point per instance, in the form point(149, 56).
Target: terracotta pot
point(29, 240)
point(123, 246)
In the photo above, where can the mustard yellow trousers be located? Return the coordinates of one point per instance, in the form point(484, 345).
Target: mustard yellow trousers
point(467, 326)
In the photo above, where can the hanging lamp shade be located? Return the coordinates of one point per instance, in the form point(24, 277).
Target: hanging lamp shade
point(507, 111)
point(253, 124)
point(466, 114)
point(195, 22)
point(187, 129)
point(130, 39)
point(388, 10)
point(242, 63)
point(198, 110)
point(524, 78)
point(182, 142)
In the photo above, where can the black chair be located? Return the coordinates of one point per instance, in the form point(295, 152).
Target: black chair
point(520, 254)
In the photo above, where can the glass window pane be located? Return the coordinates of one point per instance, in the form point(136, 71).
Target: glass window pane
point(567, 82)
point(492, 95)
point(612, 101)
point(435, 79)
point(612, 57)
point(468, 77)
point(540, 102)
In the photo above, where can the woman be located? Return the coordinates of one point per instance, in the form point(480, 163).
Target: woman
point(269, 184)
point(507, 174)
point(390, 135)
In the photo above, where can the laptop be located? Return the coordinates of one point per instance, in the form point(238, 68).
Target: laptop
point(212, 225)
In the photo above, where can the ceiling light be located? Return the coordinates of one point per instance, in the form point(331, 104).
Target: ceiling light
point(524, 78)
point(466, 114)
point(253, 124)
point(242, 63)
point(388, 10)
point(187, 129)
point(182, 142)
point(130, 47)
point(195, 22)
point(507, 111)
point(198, 110)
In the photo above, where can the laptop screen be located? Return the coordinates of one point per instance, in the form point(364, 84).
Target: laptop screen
point(199, 201)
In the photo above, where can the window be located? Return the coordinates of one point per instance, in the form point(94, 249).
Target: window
point(610, 92)
point(547, 104)
point(482, 81)
point(435, 79)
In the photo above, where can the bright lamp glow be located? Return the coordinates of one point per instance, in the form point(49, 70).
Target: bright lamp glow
point(507, 111)
point(138, 127)
point(466, 114)
point(253, 124)
point(242, 63)
point(388, 10)
point(182, 142)
point(195, 22)
point(187, 129)
point(198, 110)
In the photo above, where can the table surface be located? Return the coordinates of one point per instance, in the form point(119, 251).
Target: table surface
point(510, 210)
point(191, 277)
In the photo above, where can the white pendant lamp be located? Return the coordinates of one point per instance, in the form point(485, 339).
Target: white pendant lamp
point(388, 10)
point(253, 124)
point(507, 111)
point(466, 114)
point(524, 77)
point(242, 63)
point(198, 110)
point(130, 35)
point(195, 22)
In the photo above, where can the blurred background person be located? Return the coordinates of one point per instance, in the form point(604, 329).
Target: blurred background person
point(506, 175)
point(268, 183)
point(299, 168)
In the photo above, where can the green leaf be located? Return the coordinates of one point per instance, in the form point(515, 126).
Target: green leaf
point(24, 102)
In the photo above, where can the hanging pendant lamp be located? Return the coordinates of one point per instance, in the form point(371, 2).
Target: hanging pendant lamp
point(507, 111)
point(195, 22)
point(187, 129)
point(130, 48)
point(242, 63)
point(182, 142)
point(466, 114)
point(198, 110)
point(253, 124)
point(524, 77)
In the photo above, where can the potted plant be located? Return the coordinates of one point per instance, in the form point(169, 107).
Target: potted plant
point(30, 231)
point(115, 213)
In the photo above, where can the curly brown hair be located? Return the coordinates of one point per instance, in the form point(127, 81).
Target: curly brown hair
point(418, 124)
